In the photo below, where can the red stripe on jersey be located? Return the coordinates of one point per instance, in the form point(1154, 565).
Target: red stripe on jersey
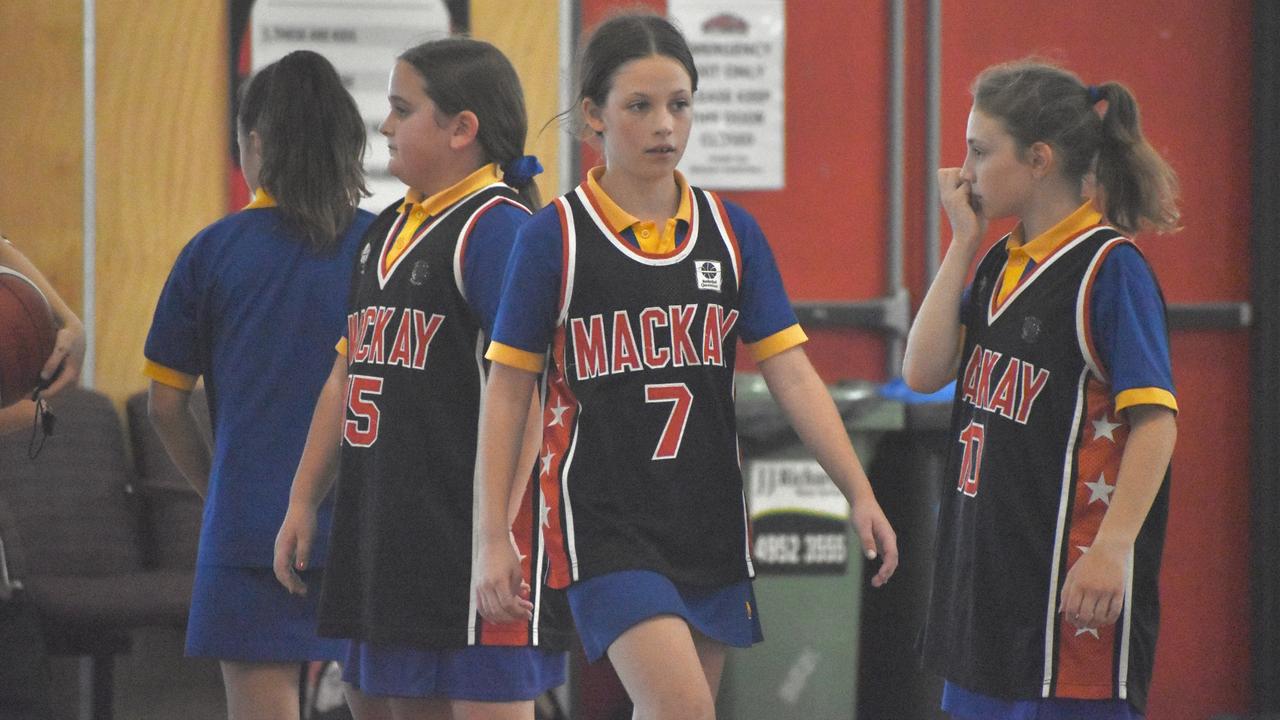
point(560, 417)
point(1087, 310)
point(1027, 277)
point(634, 247)
point(465, 235)
point(728, 230)
point(1086, 660)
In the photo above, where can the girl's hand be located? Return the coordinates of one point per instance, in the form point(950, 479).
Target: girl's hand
point(877, 538)
point(1093, 593)
point(68, 354)
point(293, 549)
point(502, 596)
point(968, 225)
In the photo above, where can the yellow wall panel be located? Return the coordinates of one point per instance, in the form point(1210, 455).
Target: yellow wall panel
point(42, 137)
point(527, 33)
point(162, 161)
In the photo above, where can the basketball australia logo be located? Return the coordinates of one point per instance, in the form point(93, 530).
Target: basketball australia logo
point(708, 272)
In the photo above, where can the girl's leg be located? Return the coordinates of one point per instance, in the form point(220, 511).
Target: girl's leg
point(662, 669)
point(711, 654)
point(471, 710)
point(366, 707)
point(260, 690)
point(406, 708)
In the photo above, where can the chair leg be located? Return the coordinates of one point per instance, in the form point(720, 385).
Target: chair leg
point(97, 680)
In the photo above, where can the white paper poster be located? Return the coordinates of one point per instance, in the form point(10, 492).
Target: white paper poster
point(739, 46)
point(362, 39)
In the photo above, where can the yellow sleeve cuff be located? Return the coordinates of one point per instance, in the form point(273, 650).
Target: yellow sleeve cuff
point(514, 357)
point(784, 339)
point(341, 347)
point(1146, 396)
point(169, 376)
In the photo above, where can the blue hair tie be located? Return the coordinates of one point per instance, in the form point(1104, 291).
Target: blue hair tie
point(1095, 94)
point(519, 172)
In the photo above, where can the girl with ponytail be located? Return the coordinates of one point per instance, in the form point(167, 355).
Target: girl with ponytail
point(254, 305)
point(1044, 598)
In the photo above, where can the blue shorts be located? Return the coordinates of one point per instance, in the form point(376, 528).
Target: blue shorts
point(968, 705)
point(604, 607)
point(483, 673)
point(244, 614)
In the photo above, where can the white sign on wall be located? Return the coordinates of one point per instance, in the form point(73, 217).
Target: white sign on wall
point(362, 39)
point(739, 109)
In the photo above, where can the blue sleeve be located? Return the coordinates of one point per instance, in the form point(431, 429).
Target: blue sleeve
point(174, 338)
point(530, 301)
point(484, 262)
point(765, 307)
point(1128, 317)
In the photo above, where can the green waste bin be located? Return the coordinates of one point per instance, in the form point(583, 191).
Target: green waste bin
point(809, 570)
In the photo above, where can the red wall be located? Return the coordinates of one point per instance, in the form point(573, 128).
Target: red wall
point(1188, 63)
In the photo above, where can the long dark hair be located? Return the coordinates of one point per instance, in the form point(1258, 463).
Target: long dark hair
point(1039, 102)
point(466, 74)
point(619, 40)
point(313, 141)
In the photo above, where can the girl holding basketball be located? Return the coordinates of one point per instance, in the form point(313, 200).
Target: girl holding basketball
point(400, 411)
point(628, 297)
point(1044, 601)
point(64, 363)
point(252, 304)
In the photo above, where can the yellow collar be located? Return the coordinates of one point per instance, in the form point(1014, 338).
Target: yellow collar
point(261, 199)
point(619, 219)
point(1085, 217)
point(434, 205)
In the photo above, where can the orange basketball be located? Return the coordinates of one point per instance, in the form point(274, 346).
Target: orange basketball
point(27, 330)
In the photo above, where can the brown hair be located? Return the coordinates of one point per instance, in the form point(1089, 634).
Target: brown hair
point(1039, 102)
point(313, 141)
point(465, 74)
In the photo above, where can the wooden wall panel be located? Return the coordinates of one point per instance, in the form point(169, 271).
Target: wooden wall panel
point(162, 133)
point(42, 137)
point(528, 33)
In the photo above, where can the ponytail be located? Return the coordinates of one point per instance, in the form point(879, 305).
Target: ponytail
point(1039, 102)
point(313, 141)
point(1140, 188)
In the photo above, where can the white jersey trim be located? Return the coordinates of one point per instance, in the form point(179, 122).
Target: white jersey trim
point(570, 250)
point(993, 313)
point(472, 610)
point(626, 248)
point(383, 277)
point(1059, 535)
point(460, 246)
point(722, 224)
point(1083, 307)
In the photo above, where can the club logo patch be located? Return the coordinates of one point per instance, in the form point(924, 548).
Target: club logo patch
point(1030, 329)
point(419, 274)
point(708, 272)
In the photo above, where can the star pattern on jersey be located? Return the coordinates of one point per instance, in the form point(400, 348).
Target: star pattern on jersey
point(559, 411)
point(1102, 428)
point(1090, 631)
point(544, 514)
point(546, 461)
point(1100, 490)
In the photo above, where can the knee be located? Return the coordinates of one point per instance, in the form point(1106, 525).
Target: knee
point(688, 704)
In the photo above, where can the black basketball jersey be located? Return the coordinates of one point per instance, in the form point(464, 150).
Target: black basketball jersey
point(400, 562)
point(1037, 446)
point(640, 459)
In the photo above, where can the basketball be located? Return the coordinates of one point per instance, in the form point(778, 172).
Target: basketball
point(27, 331)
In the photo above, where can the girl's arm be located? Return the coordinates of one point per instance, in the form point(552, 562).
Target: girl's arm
point(68, 345)
point(1093, 593)
point(169, 410)
point(530, 448)
point(933, 345)
point(312, 480)
point(503, 418)
point(804, 398)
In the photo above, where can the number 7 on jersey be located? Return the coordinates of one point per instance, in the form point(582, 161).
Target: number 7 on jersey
point(673, 433)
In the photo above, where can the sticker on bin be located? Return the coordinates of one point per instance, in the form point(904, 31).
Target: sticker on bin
point(799, 520)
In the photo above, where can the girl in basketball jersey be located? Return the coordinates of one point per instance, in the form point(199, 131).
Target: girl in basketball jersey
point(68, 345)
point(628, 296)
point(251, 305)
point(1044, 593)
point(403, 401)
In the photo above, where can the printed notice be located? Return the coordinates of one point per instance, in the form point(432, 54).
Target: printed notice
point(362, 39)
point(739, 109)
point(799, 519)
